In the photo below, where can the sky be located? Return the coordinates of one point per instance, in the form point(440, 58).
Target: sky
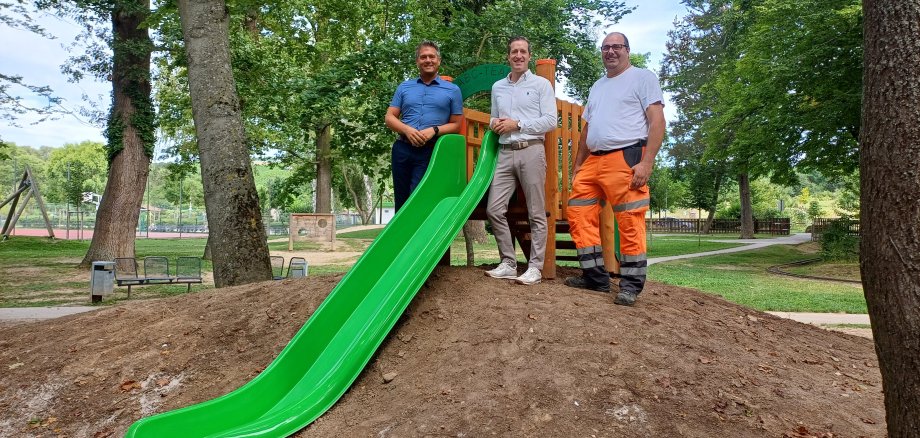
point(38, 61)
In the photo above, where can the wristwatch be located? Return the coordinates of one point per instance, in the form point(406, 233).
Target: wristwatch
point(436, 130)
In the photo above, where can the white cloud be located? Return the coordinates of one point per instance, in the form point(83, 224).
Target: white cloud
point(38, 60)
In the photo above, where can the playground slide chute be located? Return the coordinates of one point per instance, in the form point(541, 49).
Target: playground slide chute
point(329, 352)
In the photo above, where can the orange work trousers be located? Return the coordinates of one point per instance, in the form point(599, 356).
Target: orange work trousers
point(605, 177)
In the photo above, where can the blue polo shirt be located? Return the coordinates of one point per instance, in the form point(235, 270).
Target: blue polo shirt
point(425, 105)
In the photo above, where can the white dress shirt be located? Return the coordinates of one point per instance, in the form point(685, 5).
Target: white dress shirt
point(531, 101)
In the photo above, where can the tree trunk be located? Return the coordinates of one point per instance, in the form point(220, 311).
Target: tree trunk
point(477, 230)
point(130, 135)
point(324, 169)
point(890, 203)
point(474, 231)
point(362, 203)
point(708, 224)
point(713, 206)
point(207, 248)
point(747, 210)
point(468, 239)
point(237, 235)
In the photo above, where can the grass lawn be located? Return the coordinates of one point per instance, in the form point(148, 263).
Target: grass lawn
point(742, 278)
point(371, 233)
point(841, 270)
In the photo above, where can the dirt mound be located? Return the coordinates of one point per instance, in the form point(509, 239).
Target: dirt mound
point(472, 357)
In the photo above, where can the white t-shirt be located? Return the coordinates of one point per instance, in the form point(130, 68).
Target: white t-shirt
point(616, 108)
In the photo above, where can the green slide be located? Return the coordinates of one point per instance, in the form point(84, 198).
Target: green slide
point(332, 348)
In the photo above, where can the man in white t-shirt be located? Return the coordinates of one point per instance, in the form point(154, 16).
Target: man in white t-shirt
point(624, 128)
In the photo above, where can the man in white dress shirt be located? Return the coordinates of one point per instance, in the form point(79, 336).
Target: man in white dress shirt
point(523, 110)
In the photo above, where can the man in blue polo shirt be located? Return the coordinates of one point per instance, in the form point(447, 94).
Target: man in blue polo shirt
point(422, 109)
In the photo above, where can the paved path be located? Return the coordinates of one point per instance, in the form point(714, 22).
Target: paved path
point(24, 314)
point(825, 318)
point(750, 244)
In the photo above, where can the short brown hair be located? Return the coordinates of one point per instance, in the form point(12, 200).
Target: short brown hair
point(519, 38)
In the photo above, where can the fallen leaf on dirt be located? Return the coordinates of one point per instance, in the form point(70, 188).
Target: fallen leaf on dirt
point(162, 382)
point(16, 365)
point(530, 315)
point(128, 385)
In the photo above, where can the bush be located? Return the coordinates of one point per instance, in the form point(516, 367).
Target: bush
point(837, 243)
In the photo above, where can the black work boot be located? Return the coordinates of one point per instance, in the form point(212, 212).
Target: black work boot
point(580, 283)
point(626, 298)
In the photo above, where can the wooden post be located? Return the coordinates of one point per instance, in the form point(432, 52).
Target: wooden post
point(547, 69)
point(41, 203)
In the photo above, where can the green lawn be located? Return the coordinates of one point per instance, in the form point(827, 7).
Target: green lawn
point(841, 270)
point(742, 278)
point(360, 234)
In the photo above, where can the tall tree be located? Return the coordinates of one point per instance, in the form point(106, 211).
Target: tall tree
point(131, 122)
point(73, 169)
point(890, 242)
point(239, 247)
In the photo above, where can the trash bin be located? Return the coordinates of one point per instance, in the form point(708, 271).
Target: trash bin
point(101, 280)
point(298, 269)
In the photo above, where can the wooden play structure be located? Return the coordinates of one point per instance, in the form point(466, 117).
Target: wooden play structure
point(22, 193)
point(561, 146)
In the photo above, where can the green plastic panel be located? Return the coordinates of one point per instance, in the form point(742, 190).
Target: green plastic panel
point(480, 78)
point(329, 352)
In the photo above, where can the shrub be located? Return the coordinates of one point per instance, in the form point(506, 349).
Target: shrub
point(837, 243)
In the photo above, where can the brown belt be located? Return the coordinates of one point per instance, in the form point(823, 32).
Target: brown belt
point(518, 145)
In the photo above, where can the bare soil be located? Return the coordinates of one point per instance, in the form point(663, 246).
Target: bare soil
point(471, 357)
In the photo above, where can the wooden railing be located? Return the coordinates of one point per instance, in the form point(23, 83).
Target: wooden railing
point(773, 226)
point(822, 223)
point(568, 134)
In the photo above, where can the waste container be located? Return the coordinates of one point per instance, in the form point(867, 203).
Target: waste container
point(297, 269)
point(101, 280)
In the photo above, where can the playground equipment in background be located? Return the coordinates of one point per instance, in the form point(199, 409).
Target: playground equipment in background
point(28, 185)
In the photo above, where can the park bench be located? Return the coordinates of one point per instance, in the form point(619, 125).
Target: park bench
point(156, 271)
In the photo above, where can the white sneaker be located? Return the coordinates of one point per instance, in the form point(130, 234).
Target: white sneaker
point(504, 270)
point(531, 276)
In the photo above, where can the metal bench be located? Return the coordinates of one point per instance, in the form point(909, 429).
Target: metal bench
point(156, 271)
point(277, 267)
point(188, 271)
